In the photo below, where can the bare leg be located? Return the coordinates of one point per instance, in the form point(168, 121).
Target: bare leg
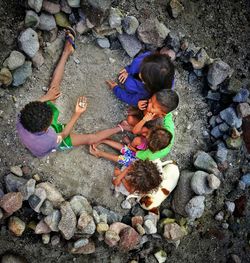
point(116, 145)
point(99, 153)
point(59, 70)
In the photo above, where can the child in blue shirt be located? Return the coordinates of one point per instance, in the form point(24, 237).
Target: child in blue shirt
point(148, 73)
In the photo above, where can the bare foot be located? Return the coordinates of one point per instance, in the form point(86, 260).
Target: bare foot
point(94, 151)
point(126, 126)
point(111, 83)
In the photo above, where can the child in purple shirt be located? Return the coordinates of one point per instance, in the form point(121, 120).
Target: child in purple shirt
point(148, 73)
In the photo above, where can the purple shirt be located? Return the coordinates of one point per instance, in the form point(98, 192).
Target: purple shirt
point(39, 143)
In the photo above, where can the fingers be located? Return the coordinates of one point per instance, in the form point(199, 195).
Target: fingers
point(122, 71)
point(82, 102)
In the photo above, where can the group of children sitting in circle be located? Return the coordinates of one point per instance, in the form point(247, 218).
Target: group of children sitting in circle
point(147, 85)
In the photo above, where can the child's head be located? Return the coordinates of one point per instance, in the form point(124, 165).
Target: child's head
point(144, 176)
point(157, 72)
point(36, 116)
point(158, 139)
point(163, 102)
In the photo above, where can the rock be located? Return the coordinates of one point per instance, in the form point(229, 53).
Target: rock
point(216, 132)
point(213, 181)
point(199, 183)
point(223, 127)
point(152, 32)
point(111, 238)
point(65, 7)
point(140, 229)
point(50, 36)
point(80, 204)
point(153, 217)
point(176, 8)
point(129, 239)
point(47, 22)
point(234, 144)
point(102, 5)
point(36, 200)
point(52, 220)
point(103, 42)
point(1, 213)
point(5, 77)
point(28, 42)
point(219, 216)
point(221, 154)
point(161, 256)
point(167, 213)
point(46, 238)
point(89, 229)
point(115, 18)
point(243, 110)
point(42, 228)
point(111, 216)
point(183, 193)
point(102, 227)
point(28, 189)
point(52, 193)
point(74, 3)
point(84, 220)
point(51, 7)
point(80, 243)
point(16, 226)
point(195, 207)
point(14, 61)
point(31, 19)
point(213, 95)
point(130, 44)
point(46, 208)
point(230, 117)
point(55, 240)
point(9, 258)
point(218, 71)
point(85, 250)
point(136, 220)
point(230, 206)
point(81, 27)
point(11, 202)
point(125, 204)
point(103, 30)
point(241, 96)
point(201, 59)
point(149, 227)
point(173, 232)
point(38, 60)
point(246, 179)
point(173, 41)
point(55, 47)
point(130, 25)
point(67, 224)
point(205, 162)
point(225, 225)
point(96, 217)
point(235, 258)
point(12, 182)
point(62, 20)
point(21, 74)
point(35, 5)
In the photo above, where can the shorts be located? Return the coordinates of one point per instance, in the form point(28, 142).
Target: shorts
point(128, 156)
point(58, 127)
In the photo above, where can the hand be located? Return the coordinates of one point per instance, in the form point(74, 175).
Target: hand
point(149, 116)
point(123, 75)
point(81, 105)
point(52, 94)
point(111, 83)
point(142, 104)
point(116, 181)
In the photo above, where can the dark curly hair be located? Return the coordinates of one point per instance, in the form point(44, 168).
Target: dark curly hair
point(157, 72)
point(168, 99)
point(159, 139)
point(36, 116)
point(144, 176)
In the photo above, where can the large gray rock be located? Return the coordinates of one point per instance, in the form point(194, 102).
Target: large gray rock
point(103, 42)
point(52, 193)
point(199, 183)
point(152, 32)
point(35, 5)
point(205, 162)
point(53, 220)
point(47, 22)
point(46, 208)
point(31, 19)
point(183, 193)
point(74, 3)
point(230, 117)
point(111, 216)
point(218, 72)
point(115, 18)
point(80, 204)
point(28, 42)
point(21, 74)
point(195, 207)
point(67, 224)
point(12, 182)
point(130, 24)
point(130, 44)
point(28, 189)
point(15, 60)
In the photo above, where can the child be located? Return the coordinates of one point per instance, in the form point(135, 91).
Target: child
point(147, 74)
point(157, 139)
point(38, 126)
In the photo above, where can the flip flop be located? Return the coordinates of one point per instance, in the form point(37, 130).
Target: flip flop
point(70, 36)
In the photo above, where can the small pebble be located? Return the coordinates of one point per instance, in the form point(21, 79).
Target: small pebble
point(219, 216)
point(46, 238)
point(225, 225)
point(230, 206)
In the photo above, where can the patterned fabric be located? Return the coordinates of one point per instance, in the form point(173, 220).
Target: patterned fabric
point(127, 157)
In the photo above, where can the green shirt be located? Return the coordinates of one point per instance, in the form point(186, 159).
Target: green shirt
point(148, 154)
